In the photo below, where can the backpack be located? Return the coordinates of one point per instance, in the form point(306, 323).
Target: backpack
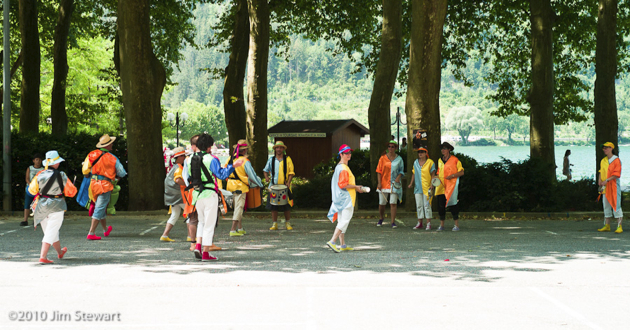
point(196, 182)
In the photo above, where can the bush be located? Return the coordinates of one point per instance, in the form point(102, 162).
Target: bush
point(524, 186)
point(483, 142)
point(73, 148)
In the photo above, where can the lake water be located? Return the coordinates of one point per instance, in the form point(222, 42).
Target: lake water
point(582, 158)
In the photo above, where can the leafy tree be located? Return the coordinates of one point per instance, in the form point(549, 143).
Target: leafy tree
point(29, 101)
point(142, 79)
point(384, 81)
point(514, 124)
point(201, 118)
point(464, 120)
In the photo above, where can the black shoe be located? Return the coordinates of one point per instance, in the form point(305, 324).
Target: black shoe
point(24, 223)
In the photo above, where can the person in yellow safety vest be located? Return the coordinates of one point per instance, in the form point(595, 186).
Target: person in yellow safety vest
point(239, 183)
point(449, 171)
point(610, 172)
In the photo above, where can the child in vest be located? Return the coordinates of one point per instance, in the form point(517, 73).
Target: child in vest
point(50, 186)
point(31, 171)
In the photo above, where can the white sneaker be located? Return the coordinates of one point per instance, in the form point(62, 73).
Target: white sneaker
point(428, 226)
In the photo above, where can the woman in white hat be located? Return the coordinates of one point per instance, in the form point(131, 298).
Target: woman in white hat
point(50, 186)
point(173, 192)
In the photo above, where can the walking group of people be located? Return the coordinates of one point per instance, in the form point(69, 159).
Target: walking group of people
point(47, 187)
point(193, 187)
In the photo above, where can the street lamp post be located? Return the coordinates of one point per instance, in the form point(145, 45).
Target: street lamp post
point(398, 121)
point(175, 122)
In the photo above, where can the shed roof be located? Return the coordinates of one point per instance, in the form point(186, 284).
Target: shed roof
point(315, 126)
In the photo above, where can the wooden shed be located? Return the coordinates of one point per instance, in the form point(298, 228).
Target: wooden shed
point(311, 142)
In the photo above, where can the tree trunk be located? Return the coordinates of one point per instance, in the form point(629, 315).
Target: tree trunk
point(257, 82)
point(425, 74)
point(60, 59)
point(142, 80)
point(606, 122)
point(29, 101)
point(384, 81)
point(233, 99)
point(540, 97)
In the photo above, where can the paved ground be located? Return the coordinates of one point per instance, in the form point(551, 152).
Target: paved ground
point(494, 274)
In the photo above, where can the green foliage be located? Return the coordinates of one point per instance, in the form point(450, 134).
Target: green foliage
point(201, 118)
point(464, 120)
point(73, 148)
point(483, 142)
point(521, 187)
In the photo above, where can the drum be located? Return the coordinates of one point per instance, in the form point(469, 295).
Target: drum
point(436, 182)
point(278, 195)
point(254, 198)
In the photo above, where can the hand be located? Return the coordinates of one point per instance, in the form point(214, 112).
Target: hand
point(378, 186)
point(409, 187)
point(602, 183)
point(238, 163)
point(358, 189)
point(451, 177)
point(397, 180)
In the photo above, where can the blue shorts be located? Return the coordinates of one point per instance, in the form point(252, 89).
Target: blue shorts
point(100, 208)
point(28, 199)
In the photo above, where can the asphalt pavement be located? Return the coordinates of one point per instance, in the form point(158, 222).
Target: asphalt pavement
point(499, 272)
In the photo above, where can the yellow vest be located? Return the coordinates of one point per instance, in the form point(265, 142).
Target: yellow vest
point(233, 182)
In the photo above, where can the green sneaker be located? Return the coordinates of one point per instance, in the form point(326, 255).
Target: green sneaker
point(333, 247)
point(347, 248)
point(619, 230)
point(241, 231)
point(605, 228)
point(234, 233)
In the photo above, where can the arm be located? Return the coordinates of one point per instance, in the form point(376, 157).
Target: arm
point(456, 175)
point(251, 175)
point(344, 180)
point(291, 171)
point(222, 173)
point(120, 170)
point(413, 180)
point(28, 173)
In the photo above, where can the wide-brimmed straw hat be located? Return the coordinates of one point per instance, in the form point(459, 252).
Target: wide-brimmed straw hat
point(242, 145)
point(52, 158)
point(279, 144)
point(179, 151)
point(105, 140)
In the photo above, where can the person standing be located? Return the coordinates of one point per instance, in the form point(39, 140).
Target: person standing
point(31, 171)
point(449, 171)
point(566, 165)
point(239, 183)
point(203, 170)
point(344, 195)
point(173, 197)
point(423, 171)
point(390, 169)
point(279, 170)
point(50, 186)
point(104, 168)
point(610, 172)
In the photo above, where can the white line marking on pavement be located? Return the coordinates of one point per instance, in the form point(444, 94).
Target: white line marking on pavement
point(567, 309)
point(148, 230)
point(10, 231)
point(550, 232)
